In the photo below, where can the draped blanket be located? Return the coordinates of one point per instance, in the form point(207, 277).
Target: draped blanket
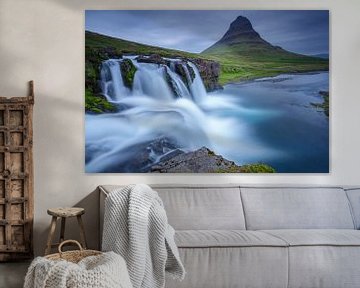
point(136, 227)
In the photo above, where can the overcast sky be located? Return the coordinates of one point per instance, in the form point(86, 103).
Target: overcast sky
point(305, 32)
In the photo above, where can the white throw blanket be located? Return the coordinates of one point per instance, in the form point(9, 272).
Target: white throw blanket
point(136, 227)
point(103, 271)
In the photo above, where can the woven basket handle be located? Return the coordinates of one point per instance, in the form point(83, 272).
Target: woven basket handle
point(69, 241)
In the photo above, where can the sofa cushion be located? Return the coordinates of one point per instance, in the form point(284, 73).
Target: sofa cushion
point(322, 258)
point(354, 198)
point(225, 267)
point(324, 266)
point(226, 238)
point(338, 237)
point(199, 207)
point(296, 208)
point(204, 208)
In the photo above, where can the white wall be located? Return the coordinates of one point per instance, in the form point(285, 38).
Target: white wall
point(43, 40)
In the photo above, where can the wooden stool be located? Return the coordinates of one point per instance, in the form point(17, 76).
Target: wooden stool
point(64, 213)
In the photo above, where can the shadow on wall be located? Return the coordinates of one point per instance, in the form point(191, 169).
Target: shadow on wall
point(91, 219)
point(56, 151)
point(10, 70)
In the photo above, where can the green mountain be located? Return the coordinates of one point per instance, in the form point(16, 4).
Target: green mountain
point(241, 38)
point(243, 54)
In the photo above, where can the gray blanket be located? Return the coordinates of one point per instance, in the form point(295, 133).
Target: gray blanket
point(136, 227)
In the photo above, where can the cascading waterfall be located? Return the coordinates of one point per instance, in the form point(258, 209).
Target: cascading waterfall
point(151, 80)
point(157, 116)
point(112, 84)
point(197, 86)
point(179, 86)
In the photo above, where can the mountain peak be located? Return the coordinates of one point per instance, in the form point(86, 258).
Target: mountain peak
point(240, 32)
point(241, 23)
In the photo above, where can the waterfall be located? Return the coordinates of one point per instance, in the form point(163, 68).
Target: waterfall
point(179, 86)
point(151, 80)
point(164, 111)
point(112, 84)
point(197, 86)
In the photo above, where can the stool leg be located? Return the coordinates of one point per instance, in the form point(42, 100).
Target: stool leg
point(51, 235)
point(82, 232)
point(62, 230)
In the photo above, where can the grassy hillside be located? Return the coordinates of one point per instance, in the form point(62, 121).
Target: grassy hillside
point(98, 41)
point(244, 54)
point(238, 62)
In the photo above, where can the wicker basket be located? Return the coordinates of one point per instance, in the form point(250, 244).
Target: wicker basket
point(72, 256)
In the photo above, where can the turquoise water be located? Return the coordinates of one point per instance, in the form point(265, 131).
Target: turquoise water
point(267, 120)
point(277, 124)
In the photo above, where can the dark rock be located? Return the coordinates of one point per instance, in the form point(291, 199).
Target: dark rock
point(171, 154)
point(209, 72)
point(324, 93)
point(128, 71)
point(148, 152)
point(181, 71)
point(202, 160)
point(140, 157)
point(173, 86)
point(154, 59)
point(161, 146)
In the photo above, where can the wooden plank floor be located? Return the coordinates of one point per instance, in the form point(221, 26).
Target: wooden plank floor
point(12, 274)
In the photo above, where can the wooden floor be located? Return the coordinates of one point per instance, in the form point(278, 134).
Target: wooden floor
point(12, 274)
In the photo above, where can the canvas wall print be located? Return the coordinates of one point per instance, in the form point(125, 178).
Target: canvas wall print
point(207, 91)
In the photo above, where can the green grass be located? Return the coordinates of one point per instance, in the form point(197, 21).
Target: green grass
point(325, 104)
point(257, 168)
point(128, 71)
point(98, 41)
point(248, 168)
point(245, 61)
point(238, 62)
point(97, 103)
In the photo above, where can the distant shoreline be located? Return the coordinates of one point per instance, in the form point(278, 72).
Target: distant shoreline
point(244, 81)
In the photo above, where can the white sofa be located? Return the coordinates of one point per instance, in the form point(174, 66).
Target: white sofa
point(264, 237)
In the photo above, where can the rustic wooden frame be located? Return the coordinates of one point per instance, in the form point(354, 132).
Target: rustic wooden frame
point(16, 177)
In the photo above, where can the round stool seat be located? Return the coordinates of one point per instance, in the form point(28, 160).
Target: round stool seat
point(66, 211)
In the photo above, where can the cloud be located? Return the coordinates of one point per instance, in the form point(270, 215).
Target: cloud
point(296, 30)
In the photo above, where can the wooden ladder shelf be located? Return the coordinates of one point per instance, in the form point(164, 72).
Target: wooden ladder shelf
point(16, 177)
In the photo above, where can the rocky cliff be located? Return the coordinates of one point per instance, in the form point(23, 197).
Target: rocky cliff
point(209, 72)
point(204, 160)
